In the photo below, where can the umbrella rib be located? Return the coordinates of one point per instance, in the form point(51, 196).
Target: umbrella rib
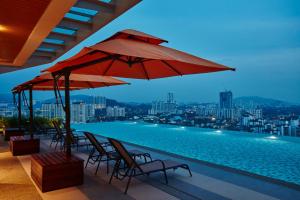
point(79, 66)
point(145, 71)
point(171, 67)
point(107, 85)
point(89, 84)
point(109, 66)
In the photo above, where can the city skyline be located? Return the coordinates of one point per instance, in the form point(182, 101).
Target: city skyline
point(226, 114)
point(149, 101)
point(262, 43)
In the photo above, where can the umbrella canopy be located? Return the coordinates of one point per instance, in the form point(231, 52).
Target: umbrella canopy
point(77, 81)
point(133, 54)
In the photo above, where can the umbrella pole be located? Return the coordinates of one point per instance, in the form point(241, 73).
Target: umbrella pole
point(67, 111)
point(31, 113)
point(19, 111)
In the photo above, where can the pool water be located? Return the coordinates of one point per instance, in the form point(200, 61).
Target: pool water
point(271, 156)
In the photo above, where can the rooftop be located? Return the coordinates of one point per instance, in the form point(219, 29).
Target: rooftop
point(208, 182)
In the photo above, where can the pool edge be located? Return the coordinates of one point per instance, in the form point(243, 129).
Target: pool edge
point(218, 166)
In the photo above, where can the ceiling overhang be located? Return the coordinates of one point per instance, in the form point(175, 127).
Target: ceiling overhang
point(34, 32)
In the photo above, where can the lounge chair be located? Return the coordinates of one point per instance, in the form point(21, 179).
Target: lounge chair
point(136, 169)
point(76, 140)
point(100, 153)
point(42, 129)
point(58, 137)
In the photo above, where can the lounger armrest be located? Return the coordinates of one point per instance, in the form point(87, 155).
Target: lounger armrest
point(162, 162)
point(157, 160)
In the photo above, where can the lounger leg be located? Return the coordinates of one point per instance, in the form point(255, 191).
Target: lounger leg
point(166, 177)
point(51, 142)
point(187, 167)
point(128, 182)
point(98, 165)
point(91, 154)
point(107, 165)
point(149, 156)
point(87, 162)
point(114, 170)
point(56, 144)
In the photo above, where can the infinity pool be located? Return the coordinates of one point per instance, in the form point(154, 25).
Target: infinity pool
point(271, 156)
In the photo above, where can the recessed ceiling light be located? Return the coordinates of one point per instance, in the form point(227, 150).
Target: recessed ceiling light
point(3, 28)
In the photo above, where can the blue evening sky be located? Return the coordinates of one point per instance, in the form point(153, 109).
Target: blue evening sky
point(261, 38)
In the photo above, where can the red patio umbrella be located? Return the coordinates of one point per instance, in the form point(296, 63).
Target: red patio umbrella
point(47, 82)
point(133, 54)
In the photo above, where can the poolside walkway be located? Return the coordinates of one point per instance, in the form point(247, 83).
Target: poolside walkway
point(207, 183)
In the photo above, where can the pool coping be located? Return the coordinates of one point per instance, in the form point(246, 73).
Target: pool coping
point(218, 166)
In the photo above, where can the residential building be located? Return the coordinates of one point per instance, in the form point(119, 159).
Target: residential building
point(52, 110)
point(115, 111)
point(78, 112)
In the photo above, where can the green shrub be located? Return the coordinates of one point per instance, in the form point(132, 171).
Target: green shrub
point(14, 122)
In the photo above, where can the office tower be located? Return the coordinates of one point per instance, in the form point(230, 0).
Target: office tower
point(170, 97)
point(226, 100)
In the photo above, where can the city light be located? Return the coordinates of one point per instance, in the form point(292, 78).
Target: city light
point(272, 137)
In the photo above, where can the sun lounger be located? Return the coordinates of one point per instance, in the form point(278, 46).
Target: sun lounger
point(100, 153)
point(76, 140)
point(136, 169)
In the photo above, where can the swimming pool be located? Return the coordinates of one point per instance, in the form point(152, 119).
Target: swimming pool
point(271, 156)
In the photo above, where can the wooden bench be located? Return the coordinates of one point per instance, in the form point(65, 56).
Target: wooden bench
point(22, 145)
point(56, 170)
point(8, 132)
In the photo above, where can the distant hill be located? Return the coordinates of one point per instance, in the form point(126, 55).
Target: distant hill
point(86, 99)
point(261, 102)
point(254, 101)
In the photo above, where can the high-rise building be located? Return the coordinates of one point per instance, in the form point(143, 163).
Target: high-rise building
point(90, 111)
point(52, 110)
point(168, 106)
point(226, 100)
point(99, 102)
point(78, 112)
point(257, 113)
point(158, 107)
point(170, 97)
point(115, 111)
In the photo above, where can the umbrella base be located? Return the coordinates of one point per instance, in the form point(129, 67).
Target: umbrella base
point(20, 145)
point(9, 132)
point(56, 170)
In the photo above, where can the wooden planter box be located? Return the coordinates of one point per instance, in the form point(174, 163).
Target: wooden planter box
point(22, 145)
point(8, 132)
point(52, 171)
